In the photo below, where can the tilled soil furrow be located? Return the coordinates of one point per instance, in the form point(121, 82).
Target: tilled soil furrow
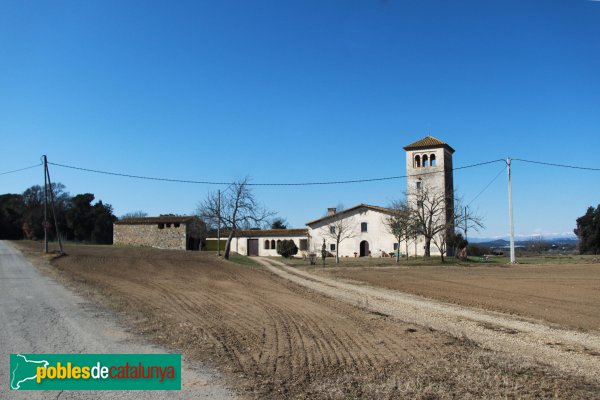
point(477, 325)
point(273, 338)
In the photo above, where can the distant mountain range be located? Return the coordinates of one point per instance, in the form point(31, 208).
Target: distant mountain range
point(524, 241)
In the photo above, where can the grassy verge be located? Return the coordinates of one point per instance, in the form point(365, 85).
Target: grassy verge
point(244, 260)
point(473, 261)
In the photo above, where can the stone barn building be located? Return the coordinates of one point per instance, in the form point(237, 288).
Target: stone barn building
point(164, 232)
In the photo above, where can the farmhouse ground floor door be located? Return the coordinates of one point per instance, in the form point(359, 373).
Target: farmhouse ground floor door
point(364, 248)
point(253, 247)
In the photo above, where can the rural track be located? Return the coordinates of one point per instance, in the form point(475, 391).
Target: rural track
point(39, 315)
point(569, 351)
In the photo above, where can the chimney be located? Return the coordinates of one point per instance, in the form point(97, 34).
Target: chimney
point(331, 211)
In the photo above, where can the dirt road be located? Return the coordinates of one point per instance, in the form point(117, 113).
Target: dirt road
point(570, 351)
point(38, 315)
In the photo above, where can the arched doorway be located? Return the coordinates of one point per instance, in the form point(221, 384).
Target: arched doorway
point(364, 248)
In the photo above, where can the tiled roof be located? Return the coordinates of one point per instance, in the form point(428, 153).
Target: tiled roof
point(263, 233)
point(368, 206)
point(428, 142)
point(165, 219)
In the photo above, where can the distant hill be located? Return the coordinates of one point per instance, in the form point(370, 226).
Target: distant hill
point(489, 242)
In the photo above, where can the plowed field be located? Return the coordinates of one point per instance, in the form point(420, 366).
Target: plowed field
point(274, 339)
point(567, 295)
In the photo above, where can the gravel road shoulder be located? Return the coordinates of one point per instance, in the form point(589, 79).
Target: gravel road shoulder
point(39, 315)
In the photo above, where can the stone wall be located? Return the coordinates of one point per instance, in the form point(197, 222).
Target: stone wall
point(150, 235)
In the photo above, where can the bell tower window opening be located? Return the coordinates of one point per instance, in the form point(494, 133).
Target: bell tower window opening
point(425, 161)
point(417, 161)
point(432, 160)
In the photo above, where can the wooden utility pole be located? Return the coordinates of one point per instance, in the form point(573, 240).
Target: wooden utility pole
point(510, 214)
point(45, 204)
point(219, 224)
point(466, 222)
point(60, 244)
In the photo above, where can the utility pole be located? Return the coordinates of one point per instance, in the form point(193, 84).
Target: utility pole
point(219, 224)
point(466, 223)
point(510, 214)
point(45, 204)
point(60, 245)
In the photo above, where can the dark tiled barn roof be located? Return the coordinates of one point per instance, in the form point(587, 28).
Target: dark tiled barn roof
point(165, 219)
point(428, 143)
point(263, 233)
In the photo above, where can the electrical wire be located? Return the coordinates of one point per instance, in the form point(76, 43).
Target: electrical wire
point(556, 165)
point(20, 169)
point(265, 184)
point(486, 186)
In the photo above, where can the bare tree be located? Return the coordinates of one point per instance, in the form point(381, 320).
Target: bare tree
point(236, 209)
point(430, 216)
point(399, 224)
point(436, 215)
point(339, 230)
point(537, 244)
point(133, 215)
point(466, 220)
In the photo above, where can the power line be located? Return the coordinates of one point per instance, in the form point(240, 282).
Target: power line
point(486, 186)
point(152, 178)
point(20, 169)
point(557, 165)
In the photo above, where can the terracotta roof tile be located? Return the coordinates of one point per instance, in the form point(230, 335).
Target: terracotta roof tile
point(263, 233)
point(428, 142)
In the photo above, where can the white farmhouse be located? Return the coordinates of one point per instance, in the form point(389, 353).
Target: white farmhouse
point(366, 233)
point(428, 165)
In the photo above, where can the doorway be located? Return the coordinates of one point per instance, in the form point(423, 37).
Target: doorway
point(253, 247)
point(364, 248)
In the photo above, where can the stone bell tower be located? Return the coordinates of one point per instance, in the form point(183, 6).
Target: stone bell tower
point(429, 168)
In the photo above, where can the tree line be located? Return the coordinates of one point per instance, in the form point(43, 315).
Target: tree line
point(588, 231)
point(78, 218)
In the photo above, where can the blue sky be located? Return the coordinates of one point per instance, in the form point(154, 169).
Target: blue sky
point(304, 91)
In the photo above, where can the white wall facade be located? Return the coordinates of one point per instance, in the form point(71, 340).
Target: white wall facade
point(240, 244)
point(377, 236)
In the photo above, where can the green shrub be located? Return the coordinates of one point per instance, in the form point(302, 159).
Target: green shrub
point(478, 250)
point(287, 248)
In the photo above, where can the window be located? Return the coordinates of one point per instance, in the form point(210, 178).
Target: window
point(419, 185)
point(332, 230)
point(168, 225)
point(363, 226)
point(432, 160)
point(396, 246)
point(303, 244)
point(273, 244)
point(425, 161)
point(267, 244)
point(420, 204)
point(161, 226)
point(417, 161)
point(332, 246)
point(176, 224)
